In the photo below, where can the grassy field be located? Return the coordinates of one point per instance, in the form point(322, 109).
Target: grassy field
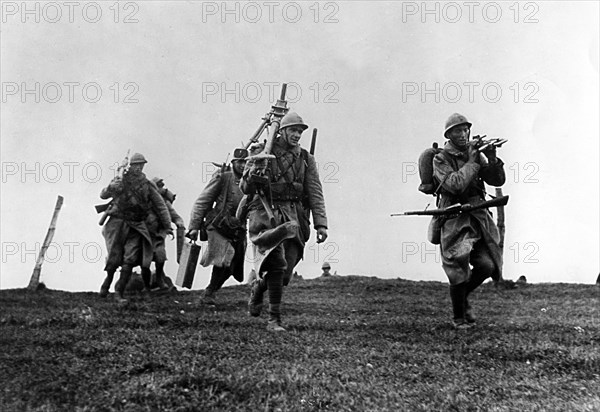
point(353, 343)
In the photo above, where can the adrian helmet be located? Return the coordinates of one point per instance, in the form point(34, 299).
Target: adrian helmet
point(137, 158)
point(158, 181)
point(239, 154)
point(455, 120)
point(292, 119)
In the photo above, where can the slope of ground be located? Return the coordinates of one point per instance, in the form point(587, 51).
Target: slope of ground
point(353, 343)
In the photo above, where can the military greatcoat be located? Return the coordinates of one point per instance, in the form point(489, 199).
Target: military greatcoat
point(463, 182)
point(297, 191)
point(134, 197)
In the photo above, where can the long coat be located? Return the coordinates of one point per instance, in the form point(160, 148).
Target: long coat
point(297, 191)
point(463, 182)
point(133, 199)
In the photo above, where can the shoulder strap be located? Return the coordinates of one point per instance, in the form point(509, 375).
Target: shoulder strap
point(451, 161)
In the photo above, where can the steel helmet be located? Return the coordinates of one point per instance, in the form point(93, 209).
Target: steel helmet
point(455, 120)
point(158, 181)
point(326, 265)
point(292, 119)
point(137, 158)
point(239, 154)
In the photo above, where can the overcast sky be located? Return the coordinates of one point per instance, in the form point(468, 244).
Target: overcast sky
point(184, 83)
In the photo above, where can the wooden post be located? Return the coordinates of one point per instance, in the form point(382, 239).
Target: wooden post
point(500, 222)
point(35, 276)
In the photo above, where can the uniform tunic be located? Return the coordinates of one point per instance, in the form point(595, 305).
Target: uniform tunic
point(463, 182)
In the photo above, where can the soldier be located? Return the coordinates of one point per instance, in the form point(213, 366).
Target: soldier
point(158, 235)
point(326, 269)
point(126, 233)
point(470, 239)
point(225, 251)
point(295, 185)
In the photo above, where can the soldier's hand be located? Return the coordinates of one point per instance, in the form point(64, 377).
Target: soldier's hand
point(258, 166)
point(473, 154)
point(490, 153)
point(192, 234)
point(321, 235)
point(169, 232)
point(116, 185)
point(256, 148)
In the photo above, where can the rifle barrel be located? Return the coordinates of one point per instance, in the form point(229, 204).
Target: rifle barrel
point(313, 142)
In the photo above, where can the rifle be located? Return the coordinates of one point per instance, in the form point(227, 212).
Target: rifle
point(106, 208)
point(313, 142)
point(262, 181)
point(457, 208)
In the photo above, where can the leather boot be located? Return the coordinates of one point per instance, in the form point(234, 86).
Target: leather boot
point(468, 311)
point(209, 297)
point(146, 276)
point(160, 277)
point(110, 274)
point(458, 295)
point(274, 324)
point(124, 277)
point(255, 304)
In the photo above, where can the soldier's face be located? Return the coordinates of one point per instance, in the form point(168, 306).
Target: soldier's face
point(291, 135)
point(136, 167)
point(238, 166)
point(459, 135)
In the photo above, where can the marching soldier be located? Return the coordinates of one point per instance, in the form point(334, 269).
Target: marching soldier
point(159, 235)
point(470, 239)
point(294, 185)
point(126, 233)
point(225, 251)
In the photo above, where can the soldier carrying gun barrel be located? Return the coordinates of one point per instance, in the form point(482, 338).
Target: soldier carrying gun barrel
point(279, 182)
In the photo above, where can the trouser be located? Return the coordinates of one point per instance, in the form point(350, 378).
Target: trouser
point(236, 269)
point(218, 277)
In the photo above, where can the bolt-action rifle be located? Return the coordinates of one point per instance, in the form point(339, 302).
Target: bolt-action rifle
point(107, 207)
point(457, 208)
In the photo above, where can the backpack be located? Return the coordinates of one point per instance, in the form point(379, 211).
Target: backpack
point(429, 185)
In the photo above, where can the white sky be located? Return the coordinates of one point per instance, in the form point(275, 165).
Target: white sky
point(193, 81)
